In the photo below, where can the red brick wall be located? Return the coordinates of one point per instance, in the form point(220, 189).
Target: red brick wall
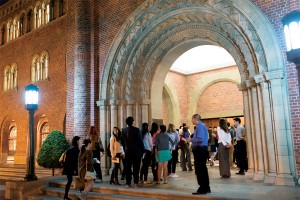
point(51, 38)
point(185, 86)
point(221, 97)
point(275, 11)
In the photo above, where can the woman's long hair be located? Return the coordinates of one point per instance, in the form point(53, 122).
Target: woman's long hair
point(223, 125)
point(145, 129)
point(154, 128)
point(118, 137)
point(93, 134)
point(171, 128)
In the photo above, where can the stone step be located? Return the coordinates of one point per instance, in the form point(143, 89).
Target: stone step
point(151, 192)
point(58, 193)
point(18, 173)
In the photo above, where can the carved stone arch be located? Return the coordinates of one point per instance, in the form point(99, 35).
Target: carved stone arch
point(139, 57)
point(137, 23)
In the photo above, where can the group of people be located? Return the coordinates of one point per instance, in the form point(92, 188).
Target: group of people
point(138, 149)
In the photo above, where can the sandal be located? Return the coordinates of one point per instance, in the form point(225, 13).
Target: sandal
point(166, 182)
point(157, 183)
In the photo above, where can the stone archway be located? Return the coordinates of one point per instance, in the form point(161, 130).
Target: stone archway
point(158, 31)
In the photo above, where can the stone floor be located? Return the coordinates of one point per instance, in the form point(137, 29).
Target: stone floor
point(236, 187)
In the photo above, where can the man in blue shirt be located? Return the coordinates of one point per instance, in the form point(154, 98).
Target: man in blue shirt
point(200, 142)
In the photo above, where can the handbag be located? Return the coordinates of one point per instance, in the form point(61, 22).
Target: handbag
point(88, 174)
point(62, 158)
point(209, 148)
point(78, 184)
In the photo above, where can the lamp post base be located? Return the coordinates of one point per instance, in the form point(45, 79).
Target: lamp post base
point(30, 177)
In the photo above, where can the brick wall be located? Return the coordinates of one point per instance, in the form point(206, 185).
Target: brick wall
point(50, 38)
point(275, 11)
point(223, 99)
point(216, 99)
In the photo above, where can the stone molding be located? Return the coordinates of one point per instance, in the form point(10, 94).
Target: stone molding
point(279, 74)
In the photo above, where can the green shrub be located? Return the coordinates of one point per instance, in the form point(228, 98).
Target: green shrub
point(52, 148)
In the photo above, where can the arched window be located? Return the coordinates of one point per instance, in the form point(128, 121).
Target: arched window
point(61, 7)
point(16, 27)
point(44, 66)
point(46, 10)
point(29, 19)
point(3, 34)
point(38, 16)
point(44, 132)
point(35, 69)
point(12, 140)
point(7, 76)
point(21, 24)
point(14, 76)
point(9, 31)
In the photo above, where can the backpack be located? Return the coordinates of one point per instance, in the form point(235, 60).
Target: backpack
point(108, 153)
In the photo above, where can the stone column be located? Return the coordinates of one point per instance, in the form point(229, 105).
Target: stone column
point(145, 110)
point(282, 153)
point(250, 152)
point(129, 108)
point(104, 132)
point(114, 114)
point(260, 130)
point(251, 86)
point(267, 130)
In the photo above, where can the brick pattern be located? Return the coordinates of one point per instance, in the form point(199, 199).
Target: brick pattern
point(51, 38)
point(221, 97)
point(275, 11)
point(216, 98)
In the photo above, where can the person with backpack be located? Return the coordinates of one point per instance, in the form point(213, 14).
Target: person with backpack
point(70, 164)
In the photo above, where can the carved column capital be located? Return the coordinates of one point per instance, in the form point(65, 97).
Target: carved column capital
point(250, 83)
point(129, 102)
point(259, 78)
point(145, 101)
point(242, 87)
point(114, 102)
point(102, 102)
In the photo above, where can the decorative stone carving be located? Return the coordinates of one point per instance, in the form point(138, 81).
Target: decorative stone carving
point(250, 83)
point(154, 14)
point(242, 87)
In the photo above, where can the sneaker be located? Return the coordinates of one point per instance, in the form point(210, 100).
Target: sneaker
point(175, 176)
point(127, 186)
point(170, 175)
point(135, 186)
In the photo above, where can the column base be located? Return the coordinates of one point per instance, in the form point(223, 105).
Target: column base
point(30, 177)
point(250, 174)
point(259, 176)
point(270, 178)
point(22, 189)
point(283, 179)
